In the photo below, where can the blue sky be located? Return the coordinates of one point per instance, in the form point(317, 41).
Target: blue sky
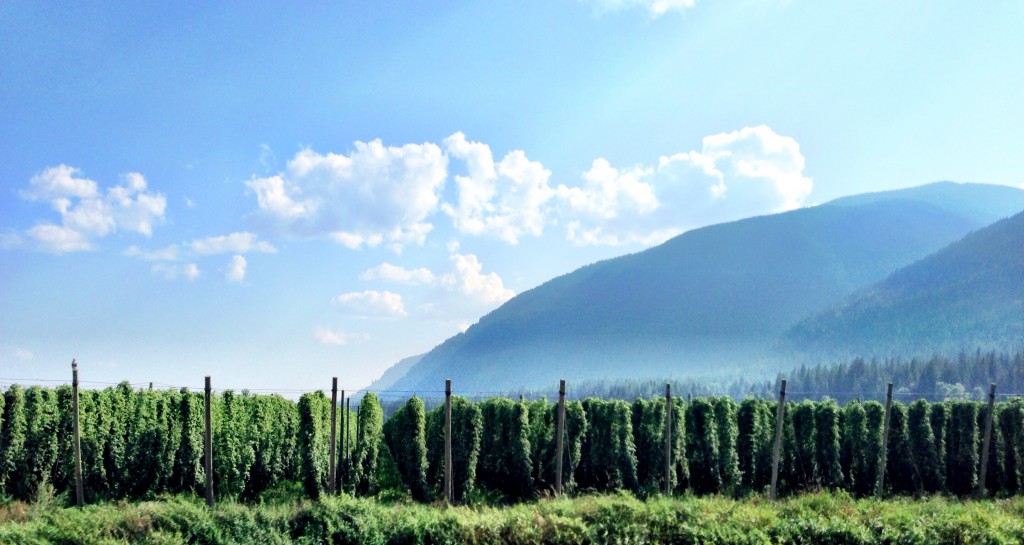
point(275, 194)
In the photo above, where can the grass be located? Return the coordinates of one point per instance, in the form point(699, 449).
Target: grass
point(619, 518)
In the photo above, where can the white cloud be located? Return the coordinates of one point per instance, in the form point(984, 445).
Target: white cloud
point(170, 253)
point(235, 243)
point(506, 200)
point(177, 271)
point(395, 273)
point(735, 175)
point(653, 7)
point(236, 269)
point(23, 354)
point(338, 338)
point(86, 214)
point(375, 193)
point(371, 304)
point(469, 280)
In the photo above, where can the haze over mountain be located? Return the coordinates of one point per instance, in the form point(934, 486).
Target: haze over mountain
point(712, 300)
point(969, 294)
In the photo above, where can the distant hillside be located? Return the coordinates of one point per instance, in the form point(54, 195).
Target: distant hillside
point(710, 300)
point(970, 294)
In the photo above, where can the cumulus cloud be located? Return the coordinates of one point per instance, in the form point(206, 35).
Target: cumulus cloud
point(505, 199)
point(169, 253)
point(86, 212)
point(236, 269)
point(655, 8)
point(177, 271)
point(469, 280)
point(735, 175)
point(374, 193)
point(371, 304)
point(395, 273)
point(338, 338)
point(235, 243)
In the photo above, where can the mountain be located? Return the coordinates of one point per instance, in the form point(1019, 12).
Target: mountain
point(710, 300)
point(967, 295)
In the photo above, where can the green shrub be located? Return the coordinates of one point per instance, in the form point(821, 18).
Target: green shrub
point(924, 451)
point(608, 458)
point(962, 448)
point(830, 471)
point(852, 446)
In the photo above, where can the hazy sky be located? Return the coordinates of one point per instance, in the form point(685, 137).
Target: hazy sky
point(277, 194)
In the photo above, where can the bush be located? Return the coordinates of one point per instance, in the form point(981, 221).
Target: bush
point(405, 435)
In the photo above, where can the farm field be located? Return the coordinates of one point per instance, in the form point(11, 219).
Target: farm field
point(615, 518)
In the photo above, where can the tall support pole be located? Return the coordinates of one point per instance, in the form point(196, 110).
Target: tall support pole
point(208, 440)
point(449, 488)
point(882, 461)
point(560, 437)
point(780, 414)
point(668, 439)
point(332, 471)
point(980, 491)
point(79, 492)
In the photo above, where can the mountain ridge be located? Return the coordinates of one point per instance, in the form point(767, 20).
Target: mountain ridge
point(714, 298)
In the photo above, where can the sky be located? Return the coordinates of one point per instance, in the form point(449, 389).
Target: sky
point(274, 194)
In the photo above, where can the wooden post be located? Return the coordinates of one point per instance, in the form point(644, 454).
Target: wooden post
point(668, 439)
point(449, 488)
point(332, 471)
point(780, 414)
point(79, 492)
point(209, 447)
point(980, 491)
point(880, 489)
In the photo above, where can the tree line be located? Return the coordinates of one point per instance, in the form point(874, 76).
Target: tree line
point(139, 443)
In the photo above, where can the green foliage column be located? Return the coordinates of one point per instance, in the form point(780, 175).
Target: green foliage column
point(754, 444)
point(504, 464)
point(314, 434)
point(405, 435)
point(467, 429)
point(702, 447)
point(902, 477)
point(830, 470)
point(728, 458)
point(609, 454)
point(962, 448)
point(996, 451)
point(938, 419)
point(923, 449)
point(187, 472)
point(12, 440)
point(874, 414)
point(233, 455)
point(40, 454)
point(805, 464)
point(648, 436)
point(1011, 425)
point(852, 447)
point(367, 448)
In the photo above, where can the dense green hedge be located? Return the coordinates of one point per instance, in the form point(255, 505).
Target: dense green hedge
point(140, 443)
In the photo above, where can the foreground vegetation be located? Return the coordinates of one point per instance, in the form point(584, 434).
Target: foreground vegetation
point(618, 518)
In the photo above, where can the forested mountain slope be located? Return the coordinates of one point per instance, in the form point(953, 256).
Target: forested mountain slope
point(712, 299)
point(970, 294)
